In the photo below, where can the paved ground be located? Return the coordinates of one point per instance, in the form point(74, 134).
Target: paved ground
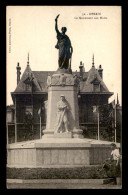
point(60, 184)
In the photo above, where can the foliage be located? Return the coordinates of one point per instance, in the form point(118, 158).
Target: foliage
point(89, 172)
point(106, 115)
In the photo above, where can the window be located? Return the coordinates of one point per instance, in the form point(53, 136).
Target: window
point(9, 116)
point(96, 87)
point(28, 114)
point(27, 83)
point(27, 87)
point(28, 110)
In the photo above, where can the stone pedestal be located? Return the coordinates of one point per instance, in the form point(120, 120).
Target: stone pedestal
point(58, 152)
point(62, 135)
point(66, 84)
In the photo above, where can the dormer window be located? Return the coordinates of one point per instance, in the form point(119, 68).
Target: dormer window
point(96, 85)
point(27, 87)
point(27, 84)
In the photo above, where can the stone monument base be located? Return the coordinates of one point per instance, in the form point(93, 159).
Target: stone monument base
point(57, 135)
point(49, 133)
point(61, 135)
point(58, 152)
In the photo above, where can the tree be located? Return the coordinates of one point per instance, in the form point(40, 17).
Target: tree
point(106, 117)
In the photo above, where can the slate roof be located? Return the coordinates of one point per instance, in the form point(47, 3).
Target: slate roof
point(41, 77)
point(40, 81)
point(27, 73)
point(87, 86)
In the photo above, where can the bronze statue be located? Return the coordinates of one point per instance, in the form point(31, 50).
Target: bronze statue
point(64, 46)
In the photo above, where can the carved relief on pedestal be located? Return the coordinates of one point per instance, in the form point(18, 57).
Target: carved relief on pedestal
point(69, 81)
point(55, 80)
point(62, 80)
point(62, 125)
point(49, 80)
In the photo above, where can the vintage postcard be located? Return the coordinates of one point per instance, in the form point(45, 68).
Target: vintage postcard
point(64, 104)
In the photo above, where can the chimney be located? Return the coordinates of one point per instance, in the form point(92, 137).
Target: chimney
point(100, 71)
point(18, 72)
point(81, 70)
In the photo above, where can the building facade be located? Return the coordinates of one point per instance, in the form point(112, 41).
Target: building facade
point(26, 118)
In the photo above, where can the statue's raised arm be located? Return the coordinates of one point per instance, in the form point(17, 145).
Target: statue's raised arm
point(56, 25)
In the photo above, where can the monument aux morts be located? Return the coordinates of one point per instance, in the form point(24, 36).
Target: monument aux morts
point(62, 84)
point(52, 98)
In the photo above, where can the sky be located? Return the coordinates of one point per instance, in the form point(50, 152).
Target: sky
point(31, 29)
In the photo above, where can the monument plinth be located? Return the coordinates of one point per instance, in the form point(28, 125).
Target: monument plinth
point(66, 85)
